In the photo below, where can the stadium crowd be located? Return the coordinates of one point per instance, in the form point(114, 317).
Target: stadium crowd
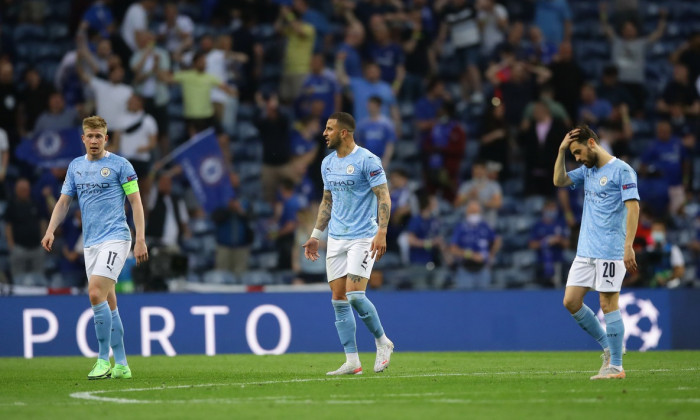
point(465, 102)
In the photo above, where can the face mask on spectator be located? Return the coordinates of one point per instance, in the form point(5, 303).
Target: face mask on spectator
point(658, 237)
point(473, 218)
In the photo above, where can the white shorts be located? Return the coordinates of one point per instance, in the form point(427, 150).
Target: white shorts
point(595, 273)
point(348, 256)
point(106, 259)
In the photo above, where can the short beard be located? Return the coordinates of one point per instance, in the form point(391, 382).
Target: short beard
point(332, 144)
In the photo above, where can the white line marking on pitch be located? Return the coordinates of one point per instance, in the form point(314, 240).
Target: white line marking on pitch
point(91, 395)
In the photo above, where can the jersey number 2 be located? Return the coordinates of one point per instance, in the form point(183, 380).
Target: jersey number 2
point(608, 269)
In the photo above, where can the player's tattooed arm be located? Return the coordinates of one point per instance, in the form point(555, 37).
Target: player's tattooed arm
point(324, 211)
point(383, 205)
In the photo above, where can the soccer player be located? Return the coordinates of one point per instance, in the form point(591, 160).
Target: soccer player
point(608, 227)
point(101, 180)
point(356, 208)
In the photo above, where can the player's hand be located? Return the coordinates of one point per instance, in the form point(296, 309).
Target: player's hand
point(630, 260)
point(140, 251)
point(378, 247)
point(311, 249)
point(570, 136)
point(47, 242)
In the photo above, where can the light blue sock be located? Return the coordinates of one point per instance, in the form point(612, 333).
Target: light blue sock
point(345, 324)
point(117, 339)
point(616, 335)
point(588, 321)
point(103, 327)
point(367, 312)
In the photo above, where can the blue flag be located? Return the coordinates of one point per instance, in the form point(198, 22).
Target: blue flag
point(206, 170)
point(51, 149)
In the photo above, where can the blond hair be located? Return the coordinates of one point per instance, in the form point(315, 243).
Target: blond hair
point(95, 123)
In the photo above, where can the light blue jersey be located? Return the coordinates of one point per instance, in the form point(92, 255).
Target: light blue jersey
point(603, 225)
point(98, 185)
point(350, 180)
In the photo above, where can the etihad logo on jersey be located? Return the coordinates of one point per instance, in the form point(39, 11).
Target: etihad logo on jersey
point(91, 188)
point(348, 183)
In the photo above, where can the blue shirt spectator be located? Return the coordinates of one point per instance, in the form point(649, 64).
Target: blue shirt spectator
point(553, 17)
point(376, 132)
point(320, 85)
point(426, 109)
point(424, 232)
point(387, 54)
point(99, 18)
point(593, 111)
point(474, 244)
point(666, 155)
point(363, 89)
point(549, 236)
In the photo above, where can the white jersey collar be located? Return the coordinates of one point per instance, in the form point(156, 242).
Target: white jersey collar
point(106, 155)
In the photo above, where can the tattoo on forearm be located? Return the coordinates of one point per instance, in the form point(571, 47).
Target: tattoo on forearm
point(324, 211)
point(383, 206)
point(355, 278)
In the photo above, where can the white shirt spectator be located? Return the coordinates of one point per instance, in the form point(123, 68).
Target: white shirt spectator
point(217, 66)
point(173, 38)
point(492, 34)
point(110, 101)
point(130, 142)
point(135, 19)
point(4, 148)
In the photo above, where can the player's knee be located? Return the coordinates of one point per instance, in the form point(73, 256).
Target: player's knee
point(339, 296)
point(572, 305)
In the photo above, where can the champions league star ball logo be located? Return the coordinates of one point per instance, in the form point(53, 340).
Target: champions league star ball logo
point(641, 319)
point(211, 170)
point(48, 144)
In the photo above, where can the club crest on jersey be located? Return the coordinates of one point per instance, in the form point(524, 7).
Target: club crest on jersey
point(105, 172)
point(350, 169)
point(603, 181)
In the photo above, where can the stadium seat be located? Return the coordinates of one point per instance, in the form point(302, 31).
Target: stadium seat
point(26, 32)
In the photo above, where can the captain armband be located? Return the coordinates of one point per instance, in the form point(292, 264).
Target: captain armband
point(130, 187)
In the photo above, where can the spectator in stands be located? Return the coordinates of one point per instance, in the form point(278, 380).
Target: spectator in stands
point(47, 189)
point(668, 157)
point(567, 78)
point(514, 43)
point(305, 270)
point(482, 189)
point(593, 111)
point(611, 89)
point(233, 236)
point(24, 222)
point(136, 140)
point(421, 57)
point(8, 100)
point(175, 33)
point(618, 130)
point(402, 205)
point(687, 127)
point(197, 86)
point(549, 237)
point(147, 64)
point(495, 138)
point(376, 132)
point(111, 96)
point(555, 108)
point(539, 50)
point(493, 21)
point(58, 116)
point(286, 214)
point(350, 47)
point(304, 144)
point(442, 153)
point(273, 126)
point(360, 89)
point(315, 19)
point(629, 53)
point(664, 264)
point(321, 84)
point(301, 38)
point(98, 17)
point(168, 220)
point(4, 162)
point(554, 18)
point(520, 88)
point(425, 241)
point(474, 245)
point(71, 264)
point(539, 145)
point(387, 54)
point(136, 19)
point(460, 21)
point(32, 100)
point(680, 90)
point(426, 109)
point(688, 54)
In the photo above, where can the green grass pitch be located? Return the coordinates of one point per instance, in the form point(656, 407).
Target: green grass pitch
point(417, 385)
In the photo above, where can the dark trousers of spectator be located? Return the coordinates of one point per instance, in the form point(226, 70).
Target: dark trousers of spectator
point(284, 245)
point(27, 265)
